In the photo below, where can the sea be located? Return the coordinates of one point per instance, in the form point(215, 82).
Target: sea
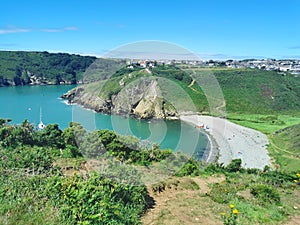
point(36, 103)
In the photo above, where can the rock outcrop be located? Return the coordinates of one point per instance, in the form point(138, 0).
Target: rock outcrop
point(141, 99)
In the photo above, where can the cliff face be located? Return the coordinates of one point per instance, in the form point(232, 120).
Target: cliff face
point(141, 98)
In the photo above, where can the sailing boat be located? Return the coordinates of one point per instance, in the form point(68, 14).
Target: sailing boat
point(41, 124)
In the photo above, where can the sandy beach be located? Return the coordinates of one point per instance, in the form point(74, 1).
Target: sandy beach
point(233, 141)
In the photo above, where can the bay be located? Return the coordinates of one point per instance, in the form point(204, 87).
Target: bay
point(20, 103)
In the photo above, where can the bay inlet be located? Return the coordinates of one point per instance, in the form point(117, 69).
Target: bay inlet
point(24, 102)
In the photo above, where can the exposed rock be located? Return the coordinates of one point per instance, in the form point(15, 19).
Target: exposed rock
point(141, 98)
point(149, 108)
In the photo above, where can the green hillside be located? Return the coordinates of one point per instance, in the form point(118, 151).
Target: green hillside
point(246, 91)
point(285, 147)
point(21, 68)
point(289, 139)
point(258, 91)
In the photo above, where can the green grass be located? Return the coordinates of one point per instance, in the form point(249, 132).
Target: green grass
point(285, 147)
point(183, 97)
point(253, 91)
point(245, 91)
point(252, 209)
point(268, 123)
point(288, 138)
point(20, 214)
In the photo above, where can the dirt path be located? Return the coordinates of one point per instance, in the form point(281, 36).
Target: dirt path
point(192, 83)
point(278, 149)
point(181, 206)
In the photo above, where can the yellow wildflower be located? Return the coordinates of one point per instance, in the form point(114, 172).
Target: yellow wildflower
point(231, 206)
point(235, 211)
point(298, 175)
point(295, 181)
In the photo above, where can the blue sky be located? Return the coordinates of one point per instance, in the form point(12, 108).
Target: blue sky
point(216, 29)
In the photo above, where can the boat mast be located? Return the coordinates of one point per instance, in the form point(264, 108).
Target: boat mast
point(41, 115)
point(41, 124)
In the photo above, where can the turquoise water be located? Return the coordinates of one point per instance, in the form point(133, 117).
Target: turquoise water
point(20, 103)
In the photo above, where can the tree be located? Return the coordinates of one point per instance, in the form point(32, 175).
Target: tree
point(13, 136)
point(51, 136)
point(74, 134)
point(92, 146)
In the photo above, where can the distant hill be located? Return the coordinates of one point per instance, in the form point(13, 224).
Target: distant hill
point(129, 91)
point(259, 92)
point(22, 68)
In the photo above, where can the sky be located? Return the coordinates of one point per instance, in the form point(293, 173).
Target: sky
point(218, 29)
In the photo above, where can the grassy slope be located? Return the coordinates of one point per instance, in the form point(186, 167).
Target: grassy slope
point(289, 138)
point(205, 206)
point(265, 101)
point(259, 92)
point(171, 88)
point(246, 91)
point(285, 147)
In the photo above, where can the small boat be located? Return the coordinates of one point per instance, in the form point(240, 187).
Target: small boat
point(41, 125)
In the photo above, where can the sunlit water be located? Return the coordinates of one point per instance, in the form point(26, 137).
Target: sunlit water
point(20, 103)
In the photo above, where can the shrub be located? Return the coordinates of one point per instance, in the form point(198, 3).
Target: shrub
point(222, 192)
point(234, 166)
point(191, 167)
point(214, 168)
point(277, 178)
point(265, 194)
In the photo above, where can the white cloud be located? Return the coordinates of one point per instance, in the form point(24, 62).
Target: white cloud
point(11, 30)
point(55, 30)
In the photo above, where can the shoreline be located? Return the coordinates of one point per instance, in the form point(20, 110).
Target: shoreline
point(233, 141)
point(210, 155)
point(227, 141)
point(213, 150)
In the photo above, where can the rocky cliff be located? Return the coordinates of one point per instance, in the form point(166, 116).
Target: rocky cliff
point(141, 98)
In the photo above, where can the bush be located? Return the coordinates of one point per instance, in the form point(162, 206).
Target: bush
point(98, 200)
point(190, 168)
point(234, 166)
point(265, 194)
point(71, 152)
point(214, 168)
point(222, 192)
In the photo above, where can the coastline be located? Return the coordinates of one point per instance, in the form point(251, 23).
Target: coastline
point(231, 141)
point(212, 154)
point(227, 140)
